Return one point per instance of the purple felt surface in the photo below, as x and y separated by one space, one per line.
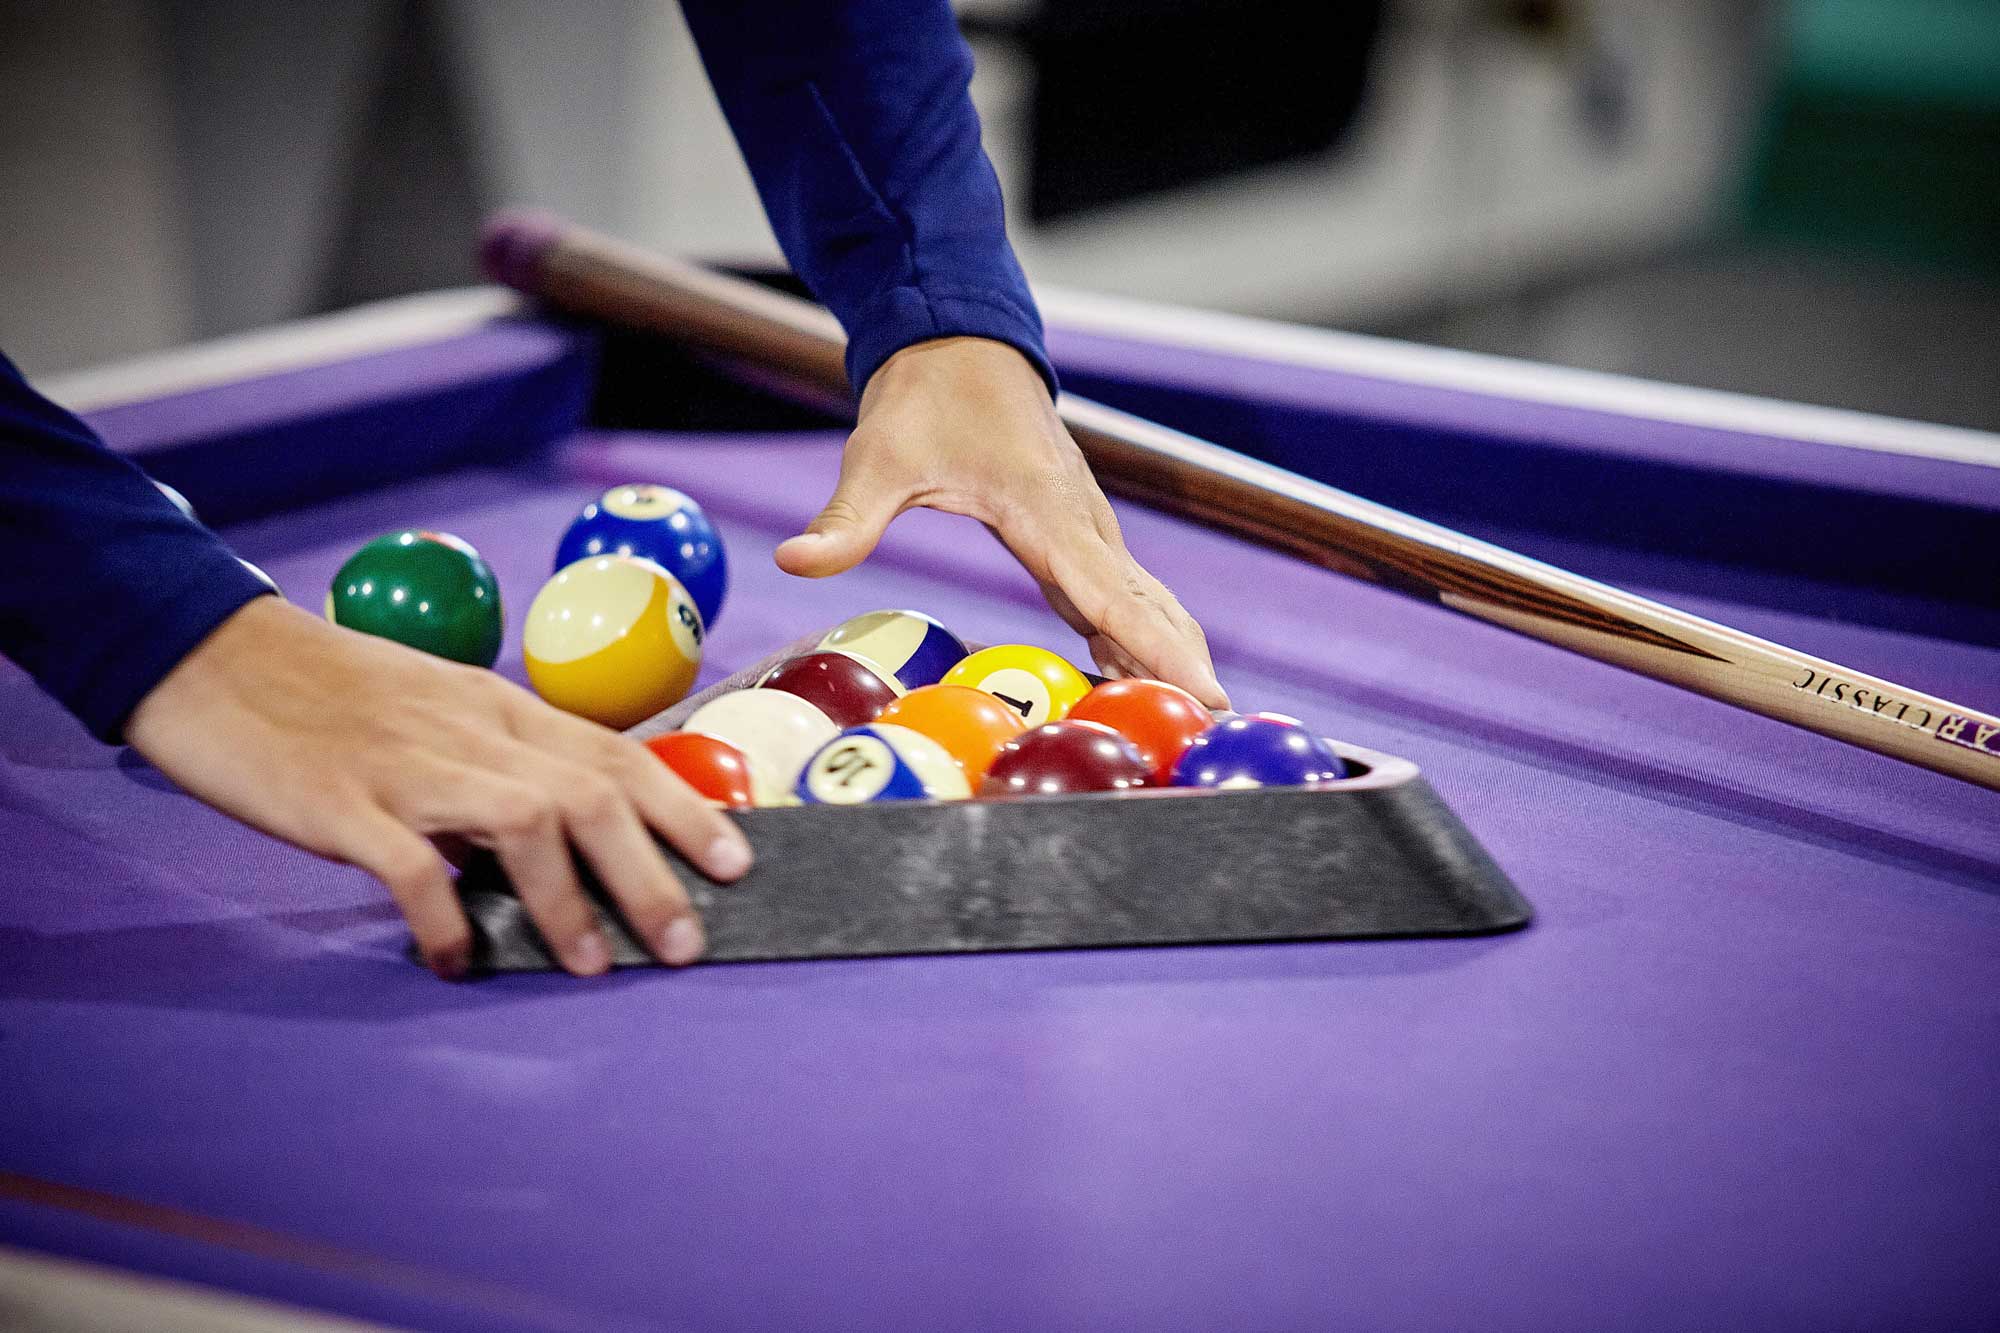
506 347
1742 1072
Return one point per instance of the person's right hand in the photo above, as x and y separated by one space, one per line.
371 753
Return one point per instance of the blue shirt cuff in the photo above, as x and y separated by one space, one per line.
905 315
209 589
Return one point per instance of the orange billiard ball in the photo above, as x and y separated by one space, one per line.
970 724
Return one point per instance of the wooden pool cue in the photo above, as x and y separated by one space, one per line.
797 347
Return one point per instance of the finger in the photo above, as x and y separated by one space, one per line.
603 824
1113 662
420 881
851 524
1112 596
703 834
523 825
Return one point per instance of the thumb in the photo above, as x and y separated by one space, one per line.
844 532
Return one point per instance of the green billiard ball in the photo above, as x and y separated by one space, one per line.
429 590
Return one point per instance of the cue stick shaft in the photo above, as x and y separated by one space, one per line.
797 347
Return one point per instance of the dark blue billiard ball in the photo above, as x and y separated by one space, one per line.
656 523
912 647
1257 752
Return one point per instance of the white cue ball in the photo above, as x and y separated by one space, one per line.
776 731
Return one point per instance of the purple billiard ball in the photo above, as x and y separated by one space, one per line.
1257 752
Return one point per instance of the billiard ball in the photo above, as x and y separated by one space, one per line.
429 590
659 524
1162 720
1059 758
909 645
178 500
881 762
1038 685
846 688
971 724
1257 752
777 732
714 768
614 639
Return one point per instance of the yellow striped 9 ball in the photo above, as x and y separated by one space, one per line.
614 639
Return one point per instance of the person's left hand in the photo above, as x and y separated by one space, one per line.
965 425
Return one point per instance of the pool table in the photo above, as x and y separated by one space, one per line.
1742 1071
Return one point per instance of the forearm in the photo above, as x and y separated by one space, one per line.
858 126
104 585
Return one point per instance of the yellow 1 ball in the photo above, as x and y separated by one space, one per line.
614 639
1034 682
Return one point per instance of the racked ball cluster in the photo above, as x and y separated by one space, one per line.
890 706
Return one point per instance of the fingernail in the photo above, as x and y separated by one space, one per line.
727 858
589 954
682 941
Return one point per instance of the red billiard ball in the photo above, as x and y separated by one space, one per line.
1162 720
714 768
1059 758
842 686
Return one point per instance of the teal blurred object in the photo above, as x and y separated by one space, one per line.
1883 131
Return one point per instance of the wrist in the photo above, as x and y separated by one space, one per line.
205 671
957 363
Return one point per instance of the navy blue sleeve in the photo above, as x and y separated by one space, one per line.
857 123
104 585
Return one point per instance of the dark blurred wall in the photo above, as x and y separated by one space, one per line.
1791 197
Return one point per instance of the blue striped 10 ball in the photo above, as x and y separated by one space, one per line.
881 762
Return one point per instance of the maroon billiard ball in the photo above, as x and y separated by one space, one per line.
843 687
1060 758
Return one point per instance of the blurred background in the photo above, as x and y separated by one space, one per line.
1798 198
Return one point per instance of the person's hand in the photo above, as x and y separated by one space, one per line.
965 425
371 753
